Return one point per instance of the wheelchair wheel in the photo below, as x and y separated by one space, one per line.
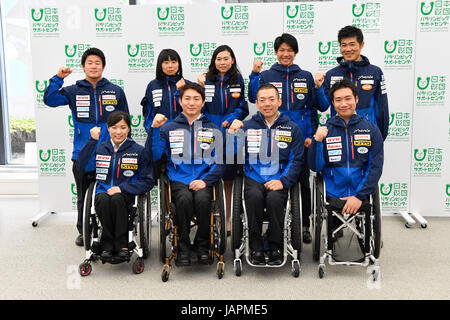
375 241
88 217
317 215
144 212
163 211
236 213
296 219
219 219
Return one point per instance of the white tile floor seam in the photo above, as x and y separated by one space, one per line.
42 263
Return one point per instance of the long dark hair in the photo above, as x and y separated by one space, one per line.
212 70
165 55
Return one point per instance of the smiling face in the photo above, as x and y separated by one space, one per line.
345 103
285 55
268 102
170 67
351 48
93 68
223 62
119 132
192 103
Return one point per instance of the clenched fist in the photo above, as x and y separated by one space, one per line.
63 72
159 120
95 133
318 79
321 133
257 66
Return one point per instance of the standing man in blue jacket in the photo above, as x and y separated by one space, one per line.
273 161
368 78
193 146
348 150
91 101
298 102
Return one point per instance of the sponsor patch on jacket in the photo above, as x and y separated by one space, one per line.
109 102
205 146
283 133
332 146
83 114
282 145
205 133
110 108
300 96
235 94
109 97
335 152
176 145
82 109
82 97
334 159
253 150
277 84
366 143
176 151
254 131
253 138
253 143
100 176
366 87
129 160
300 85
337 78
101 164
176 139
362 150
126 166
301 90
176 133
128 173
101 170
362 136
236 89
334 139
367 82
283 138
205 139
83 103
103 158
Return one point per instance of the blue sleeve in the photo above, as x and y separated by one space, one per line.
148 108
323 101
123 103
375 167
54 96
292 171
316 161
241 110
85 154
156 144
253 86
381 103
144 182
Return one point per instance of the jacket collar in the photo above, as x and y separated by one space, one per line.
280 68
260 119
353 64
84 83
339 122
181 118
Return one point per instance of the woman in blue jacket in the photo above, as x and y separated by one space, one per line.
224 103
161 95
122 172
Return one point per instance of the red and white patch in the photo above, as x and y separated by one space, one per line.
103 158
333 139
334 146
129 160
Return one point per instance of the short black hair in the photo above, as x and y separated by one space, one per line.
193 86
267 86
344 83
93 52
116 117
350 32
165 55
287 38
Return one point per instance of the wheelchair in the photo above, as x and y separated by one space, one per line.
355 242
292 230
139 233
168 244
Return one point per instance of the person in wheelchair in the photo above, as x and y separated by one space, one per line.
273 161
348 151
122 172
189 142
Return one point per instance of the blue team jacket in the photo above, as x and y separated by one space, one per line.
90 108
128 168
161 97
350 157
192 151
296 87
225 101
274 153
369 79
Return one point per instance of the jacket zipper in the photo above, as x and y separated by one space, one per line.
113 168
287 88
95 106
348 158
170 101
221 95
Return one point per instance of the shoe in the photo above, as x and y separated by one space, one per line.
203 255
79 240
184 257
106 255
307 237
275 257
122 254
258 258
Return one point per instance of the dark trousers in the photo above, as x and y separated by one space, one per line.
82 182
305 190
190 203
113 213
257 197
